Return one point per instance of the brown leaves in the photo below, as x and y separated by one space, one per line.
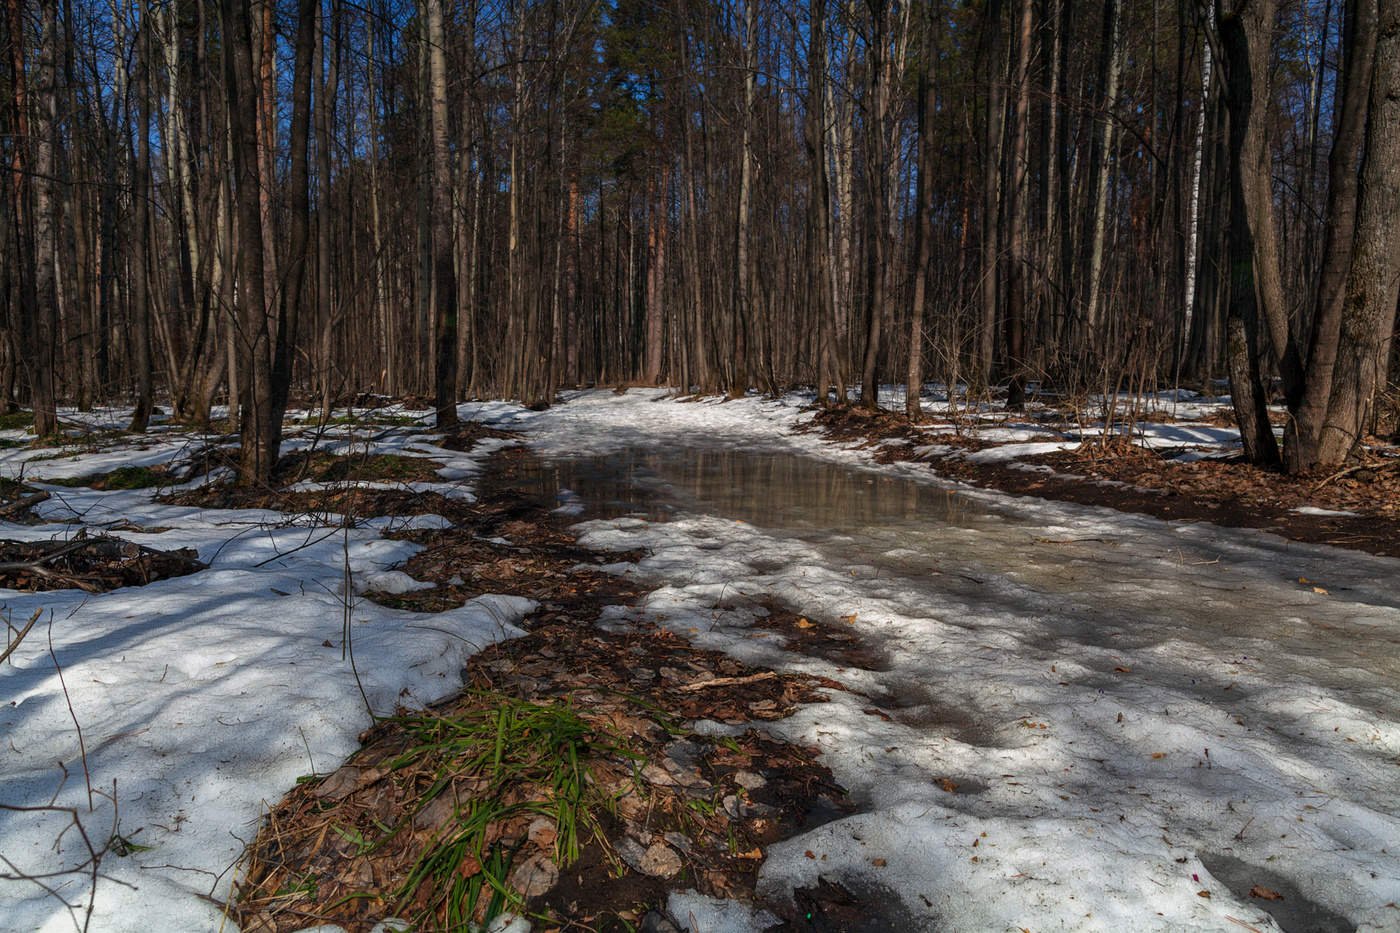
1265 894
93 564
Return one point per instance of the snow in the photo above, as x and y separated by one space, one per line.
697 913
201 699
1093 717
1007 452
1120 701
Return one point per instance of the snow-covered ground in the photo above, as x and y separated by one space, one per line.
1085 720
201 699
1144 721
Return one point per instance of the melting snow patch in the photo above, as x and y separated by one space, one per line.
697 913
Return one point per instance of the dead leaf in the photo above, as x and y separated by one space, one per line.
1156 755
660 861
878 862
1203 893
535 876
1264 893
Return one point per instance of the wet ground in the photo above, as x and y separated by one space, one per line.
1250 627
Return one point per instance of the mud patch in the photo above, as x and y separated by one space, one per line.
823 640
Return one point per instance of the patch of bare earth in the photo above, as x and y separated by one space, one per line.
565 782
1223 492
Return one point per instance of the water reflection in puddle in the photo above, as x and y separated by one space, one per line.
767 489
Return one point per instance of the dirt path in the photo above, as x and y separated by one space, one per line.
432 823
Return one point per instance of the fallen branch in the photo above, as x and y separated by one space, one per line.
729 681
22 503
1356 468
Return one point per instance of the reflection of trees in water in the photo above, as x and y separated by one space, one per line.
762 488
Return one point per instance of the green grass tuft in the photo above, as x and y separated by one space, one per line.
503 745
17 421
128 477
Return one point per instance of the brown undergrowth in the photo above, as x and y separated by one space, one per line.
93 564
564 783
1129 477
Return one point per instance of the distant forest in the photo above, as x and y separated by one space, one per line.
255 201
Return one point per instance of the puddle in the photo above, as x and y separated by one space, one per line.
761 488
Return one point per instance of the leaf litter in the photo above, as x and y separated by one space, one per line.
564 784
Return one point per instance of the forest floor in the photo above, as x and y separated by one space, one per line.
1185 468
645 663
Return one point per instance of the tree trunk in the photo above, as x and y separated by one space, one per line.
45 317
1101 159
1308 414
141 199
1373 284
1016 210
923 222
256 455
444 273
1246 34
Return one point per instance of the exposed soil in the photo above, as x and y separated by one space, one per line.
321 467
666 809
1223 492
470 433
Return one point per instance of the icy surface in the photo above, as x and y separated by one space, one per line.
201 699
1090 713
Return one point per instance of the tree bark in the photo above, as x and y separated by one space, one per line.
1016 210
1308 412
1373 284
1246 32
444 273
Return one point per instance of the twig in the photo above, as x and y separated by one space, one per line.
728 681
1355 468
20 637
82 745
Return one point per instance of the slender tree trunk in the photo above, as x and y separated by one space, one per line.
1102 159
256 456
1016 211
744 298
923 222
993 136
141 199
1194 222
44 334
444 273
1245 34
294 287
